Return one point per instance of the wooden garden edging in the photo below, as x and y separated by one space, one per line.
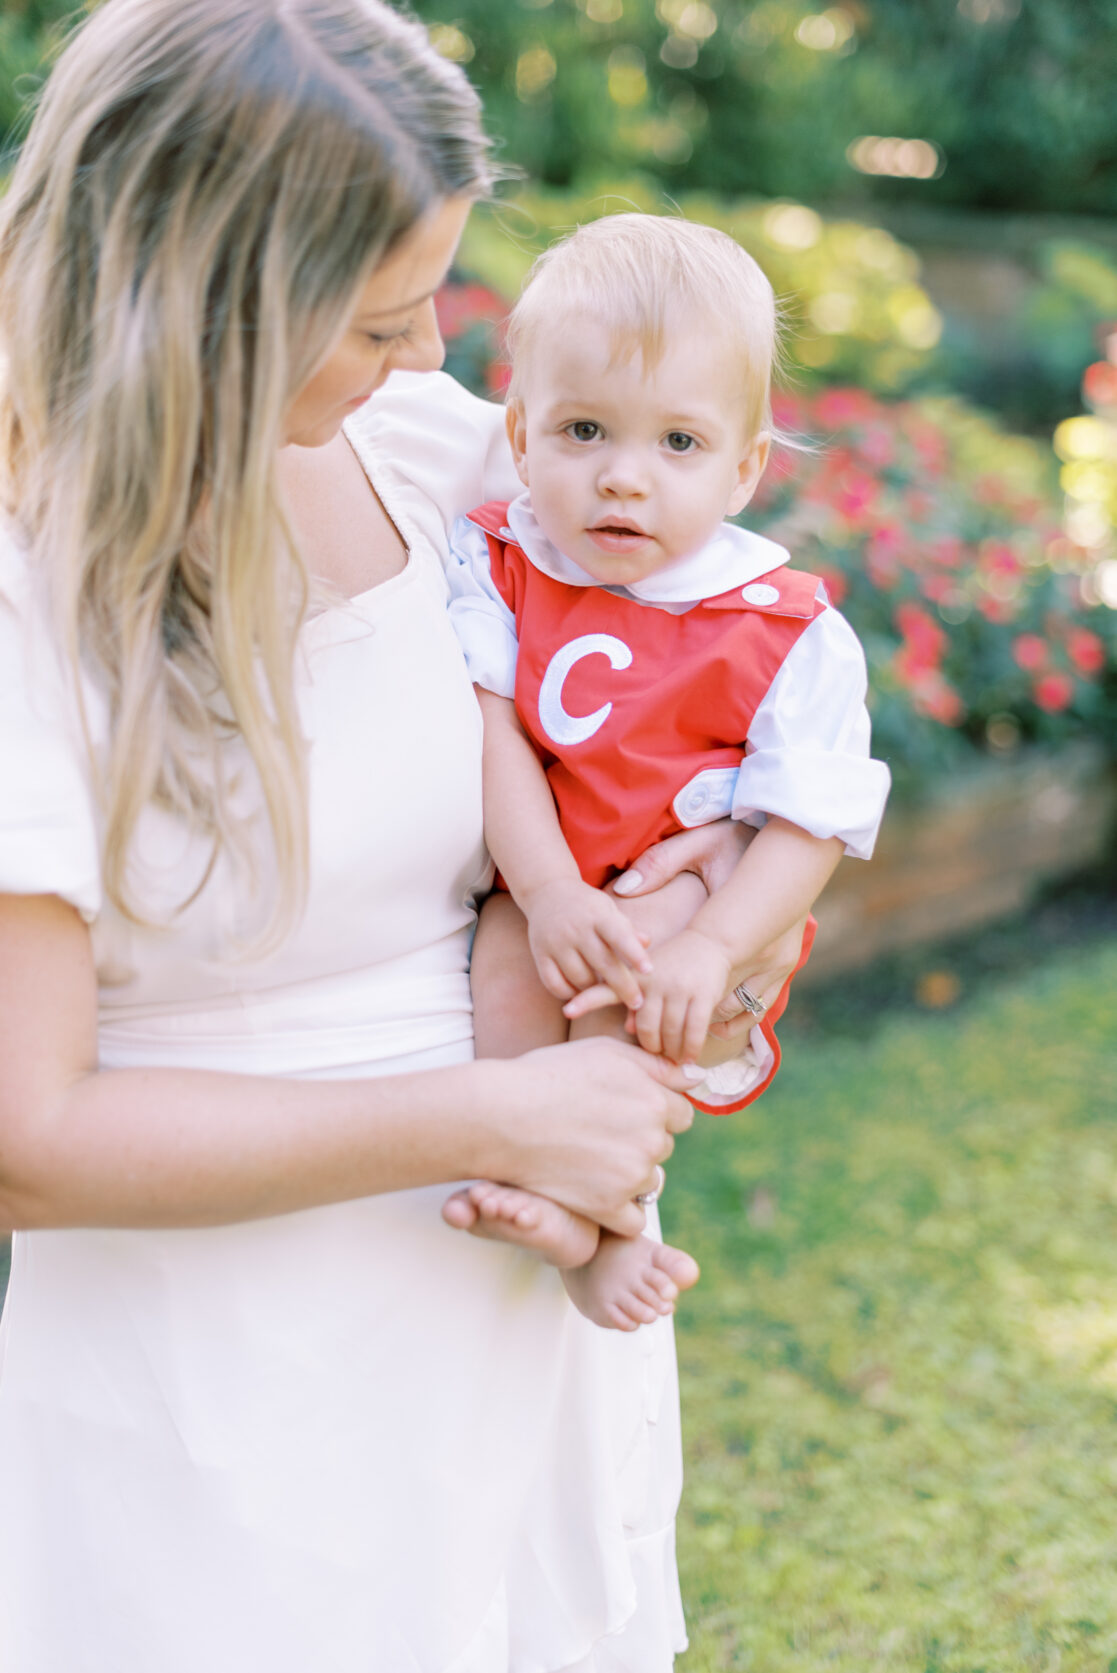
974 851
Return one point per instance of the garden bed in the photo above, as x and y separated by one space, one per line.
974 849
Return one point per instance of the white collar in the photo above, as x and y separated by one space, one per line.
733 558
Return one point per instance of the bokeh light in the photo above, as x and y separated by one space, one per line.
903 159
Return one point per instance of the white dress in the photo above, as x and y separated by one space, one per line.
347 1440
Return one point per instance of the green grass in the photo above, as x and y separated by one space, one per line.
900 1368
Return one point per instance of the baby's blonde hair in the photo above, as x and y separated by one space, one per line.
638 275
202 196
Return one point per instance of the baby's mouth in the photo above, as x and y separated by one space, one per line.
616 535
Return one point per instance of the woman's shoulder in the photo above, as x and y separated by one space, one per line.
48 828
431 432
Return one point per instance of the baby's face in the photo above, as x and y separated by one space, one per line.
632 470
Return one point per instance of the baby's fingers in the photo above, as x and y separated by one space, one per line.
695 1030
597 998
673 1026
623 941
617 976
553 979
647 1021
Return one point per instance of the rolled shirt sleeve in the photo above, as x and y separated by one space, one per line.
485 626
807 757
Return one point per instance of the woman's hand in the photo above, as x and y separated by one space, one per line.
585 1124
711 852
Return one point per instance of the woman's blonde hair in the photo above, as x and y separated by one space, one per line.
637 275
203 193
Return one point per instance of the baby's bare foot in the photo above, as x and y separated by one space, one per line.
630 1281
513 1216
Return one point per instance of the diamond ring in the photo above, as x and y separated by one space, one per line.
749 1002
644 1198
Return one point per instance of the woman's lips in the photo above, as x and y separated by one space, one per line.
615 537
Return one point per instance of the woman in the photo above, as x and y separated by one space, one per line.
259 1407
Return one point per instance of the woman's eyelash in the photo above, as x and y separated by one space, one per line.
403 336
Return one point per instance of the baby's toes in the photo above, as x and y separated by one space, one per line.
658 1292
679 1268
620 1318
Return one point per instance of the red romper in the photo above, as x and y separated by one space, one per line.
627 705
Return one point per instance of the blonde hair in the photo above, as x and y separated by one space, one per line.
637 275
203 193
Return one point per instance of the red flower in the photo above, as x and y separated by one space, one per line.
938 588
1099 384
877 446
460 306
1053 692
924 639
1030 652
998 558
835 408
855 494
884 555
994 609
1085 650
936 697
498 375
947 550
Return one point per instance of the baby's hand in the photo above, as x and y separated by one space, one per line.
579 937
688 978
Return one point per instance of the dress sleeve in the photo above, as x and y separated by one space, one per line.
808 746
485 626
48 833
447 443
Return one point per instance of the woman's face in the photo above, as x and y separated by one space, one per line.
393 326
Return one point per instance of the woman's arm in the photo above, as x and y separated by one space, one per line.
584 1124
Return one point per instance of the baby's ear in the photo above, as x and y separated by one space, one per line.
516 426
749 472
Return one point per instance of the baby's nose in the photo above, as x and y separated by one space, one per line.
622 474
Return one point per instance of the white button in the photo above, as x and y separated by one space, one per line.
759 592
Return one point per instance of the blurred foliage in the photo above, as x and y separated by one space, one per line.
30 33
900 1366
1027 362
768 96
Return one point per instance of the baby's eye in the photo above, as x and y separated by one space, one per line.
679 442
584 429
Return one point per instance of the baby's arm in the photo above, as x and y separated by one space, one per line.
578 934
772 887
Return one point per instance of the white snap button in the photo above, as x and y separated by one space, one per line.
759 592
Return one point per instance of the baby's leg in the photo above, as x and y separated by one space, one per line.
631 1281
512 1010
514 1013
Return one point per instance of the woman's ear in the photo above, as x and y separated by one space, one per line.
516 426
749 472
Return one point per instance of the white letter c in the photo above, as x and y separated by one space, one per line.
565 728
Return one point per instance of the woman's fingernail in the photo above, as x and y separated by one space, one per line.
627 883
693 1071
